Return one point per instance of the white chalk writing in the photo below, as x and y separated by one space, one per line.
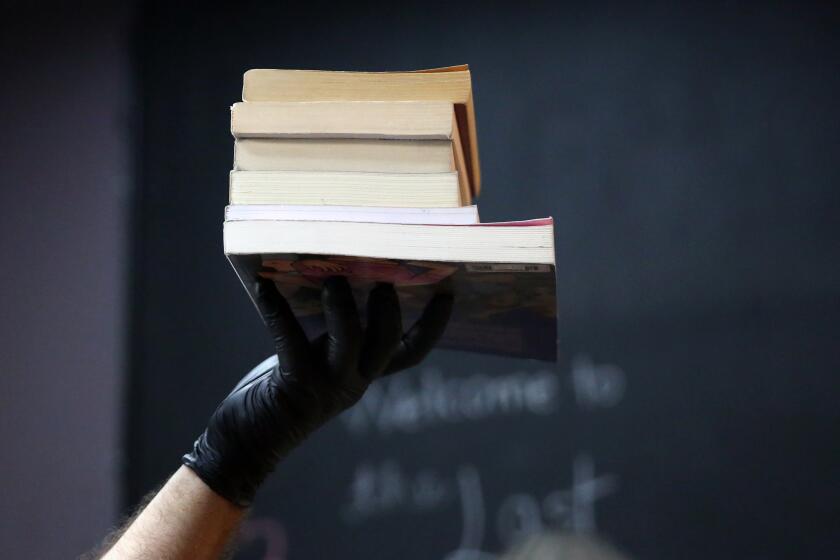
411 403
379 490
597 385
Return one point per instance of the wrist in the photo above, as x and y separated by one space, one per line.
223 475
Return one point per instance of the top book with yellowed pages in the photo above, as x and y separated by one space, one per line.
451 84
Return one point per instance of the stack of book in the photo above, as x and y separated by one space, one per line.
372 176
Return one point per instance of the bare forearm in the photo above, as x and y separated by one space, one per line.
272 410
185 520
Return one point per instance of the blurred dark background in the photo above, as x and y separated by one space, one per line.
689 156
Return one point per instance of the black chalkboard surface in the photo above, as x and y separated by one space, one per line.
689 160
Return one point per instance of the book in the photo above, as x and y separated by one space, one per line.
451 84
332 154
345 188
501 275
463 215
367 155
370 176
529 241
396 120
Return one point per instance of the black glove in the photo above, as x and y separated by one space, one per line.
284 399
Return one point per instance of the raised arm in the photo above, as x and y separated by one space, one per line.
272 410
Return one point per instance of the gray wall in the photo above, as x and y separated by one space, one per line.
64 180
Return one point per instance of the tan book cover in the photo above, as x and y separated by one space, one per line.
451 84
400 120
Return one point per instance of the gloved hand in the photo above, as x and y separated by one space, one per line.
287 397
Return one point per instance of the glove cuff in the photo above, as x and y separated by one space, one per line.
222 478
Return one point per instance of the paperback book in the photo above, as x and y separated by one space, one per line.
501 275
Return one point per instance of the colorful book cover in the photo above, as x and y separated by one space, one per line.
499 308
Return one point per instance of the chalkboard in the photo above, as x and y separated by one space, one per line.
689 160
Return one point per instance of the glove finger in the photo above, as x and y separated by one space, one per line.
290 341
423 336
344 332
383 332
